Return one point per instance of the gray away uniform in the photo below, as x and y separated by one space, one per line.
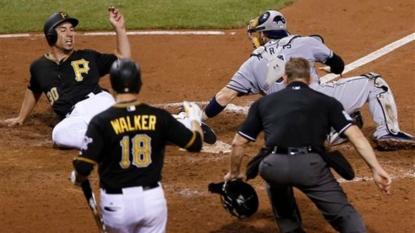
353 92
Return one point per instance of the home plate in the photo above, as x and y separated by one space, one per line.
218 148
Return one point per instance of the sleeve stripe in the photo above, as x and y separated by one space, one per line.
247 136
86 160
192 140
344 128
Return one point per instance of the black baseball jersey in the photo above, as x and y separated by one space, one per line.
70 80
296 116
128 142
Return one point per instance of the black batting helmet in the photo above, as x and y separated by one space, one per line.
237 197
125 76
54 20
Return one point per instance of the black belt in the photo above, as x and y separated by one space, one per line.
119 190
92 93
293 150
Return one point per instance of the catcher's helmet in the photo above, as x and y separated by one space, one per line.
125 76
54 20
272 24
237 197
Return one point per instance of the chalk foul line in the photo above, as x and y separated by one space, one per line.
131 33
372 56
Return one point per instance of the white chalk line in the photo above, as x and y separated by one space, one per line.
229 108
130 33
372 56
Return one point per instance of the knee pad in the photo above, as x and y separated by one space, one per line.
386 101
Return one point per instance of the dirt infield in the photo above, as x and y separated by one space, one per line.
37 196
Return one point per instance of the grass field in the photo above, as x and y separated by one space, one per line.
29 15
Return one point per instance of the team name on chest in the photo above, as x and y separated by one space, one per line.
134 123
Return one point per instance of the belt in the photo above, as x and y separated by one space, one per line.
119 190
292 150
92 93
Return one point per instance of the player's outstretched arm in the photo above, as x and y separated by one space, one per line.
117 21
28 104
363 147
335 63
218 103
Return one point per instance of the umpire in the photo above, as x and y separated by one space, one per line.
295 122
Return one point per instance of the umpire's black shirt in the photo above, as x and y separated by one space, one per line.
296 116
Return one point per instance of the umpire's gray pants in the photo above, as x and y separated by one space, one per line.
310 174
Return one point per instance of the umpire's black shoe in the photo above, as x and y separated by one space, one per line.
209 136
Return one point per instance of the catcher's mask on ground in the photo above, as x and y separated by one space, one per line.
53 21
271 23
237 197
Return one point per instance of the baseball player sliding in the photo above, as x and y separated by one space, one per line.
70 80
262 74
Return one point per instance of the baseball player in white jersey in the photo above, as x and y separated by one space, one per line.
262 74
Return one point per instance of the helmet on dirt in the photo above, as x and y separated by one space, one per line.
125 76
54 20
272 23
237 197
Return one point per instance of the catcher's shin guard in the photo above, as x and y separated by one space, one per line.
386 102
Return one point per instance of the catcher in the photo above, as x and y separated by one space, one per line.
262 74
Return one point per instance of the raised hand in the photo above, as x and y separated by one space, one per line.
116 18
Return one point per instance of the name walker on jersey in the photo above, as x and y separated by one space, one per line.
134 123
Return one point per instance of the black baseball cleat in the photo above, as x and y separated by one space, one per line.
209 136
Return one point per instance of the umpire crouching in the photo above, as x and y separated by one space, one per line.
295 122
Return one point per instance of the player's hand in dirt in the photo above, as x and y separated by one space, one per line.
11 122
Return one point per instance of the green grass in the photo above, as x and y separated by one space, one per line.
29 15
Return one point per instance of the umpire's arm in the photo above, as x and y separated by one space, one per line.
365 150
237 153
